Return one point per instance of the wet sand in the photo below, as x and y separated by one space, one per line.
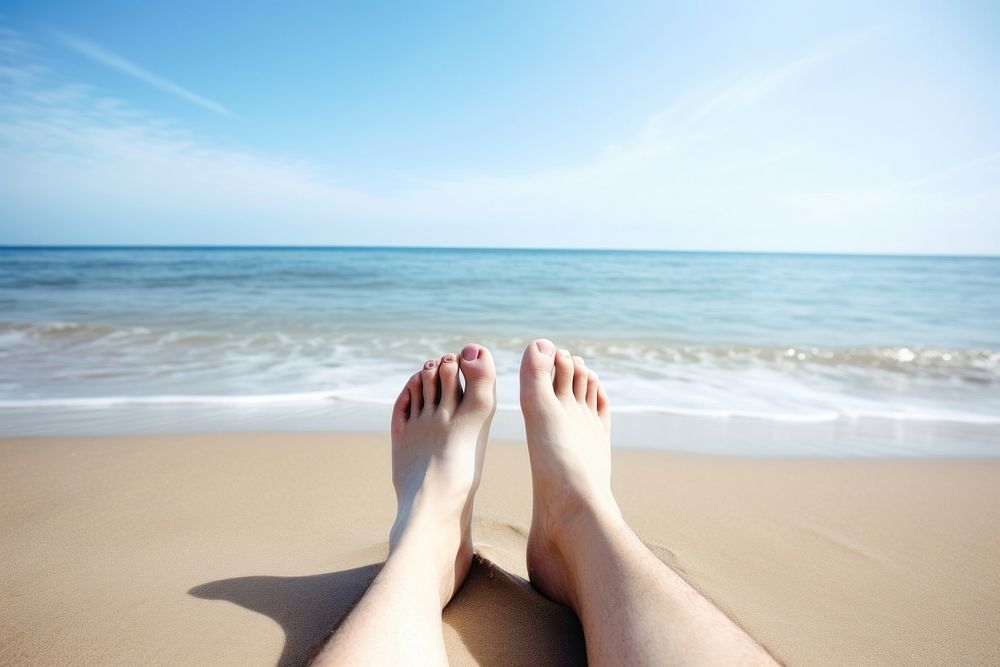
246 548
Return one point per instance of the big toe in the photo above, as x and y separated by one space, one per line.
537 364
479 372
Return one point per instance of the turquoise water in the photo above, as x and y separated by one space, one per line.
783 338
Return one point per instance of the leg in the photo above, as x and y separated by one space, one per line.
634 609
439 437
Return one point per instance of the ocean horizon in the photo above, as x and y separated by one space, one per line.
91 333
473 248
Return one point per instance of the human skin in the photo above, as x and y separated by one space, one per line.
634 609
439 432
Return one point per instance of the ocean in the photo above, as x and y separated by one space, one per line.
102 340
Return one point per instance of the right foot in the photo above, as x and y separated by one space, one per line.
568 426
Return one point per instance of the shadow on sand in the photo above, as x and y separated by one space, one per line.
498 616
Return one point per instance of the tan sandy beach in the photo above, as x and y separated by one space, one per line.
245 548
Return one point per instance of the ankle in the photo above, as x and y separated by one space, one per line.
442 549
575 526
567 511
426 524
594 519
567 543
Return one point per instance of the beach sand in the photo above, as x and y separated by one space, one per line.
246 548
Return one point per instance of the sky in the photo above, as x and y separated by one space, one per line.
764 126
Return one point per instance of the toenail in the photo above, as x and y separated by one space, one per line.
429 364
579 360
564 354
448 358
544 346
470 353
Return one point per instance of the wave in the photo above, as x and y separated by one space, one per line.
820 416
815 416
973 364
79 365
170 399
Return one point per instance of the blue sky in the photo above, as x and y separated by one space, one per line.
719 126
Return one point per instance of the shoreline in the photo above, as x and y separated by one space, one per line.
236 548
863 437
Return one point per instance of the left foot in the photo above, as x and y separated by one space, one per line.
439 434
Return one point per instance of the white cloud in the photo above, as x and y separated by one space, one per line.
104 56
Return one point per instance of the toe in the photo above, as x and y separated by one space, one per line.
603 407
593 385
401 411
476 364
415 389
536 369
429 380
563 382
451 390
580 377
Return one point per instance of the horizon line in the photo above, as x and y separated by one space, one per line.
226 246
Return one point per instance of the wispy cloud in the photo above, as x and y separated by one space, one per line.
102 55
752 89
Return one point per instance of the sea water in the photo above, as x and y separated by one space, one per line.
160 338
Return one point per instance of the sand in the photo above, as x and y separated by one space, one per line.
245 548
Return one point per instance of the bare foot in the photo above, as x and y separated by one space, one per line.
439 434
568 425
633 608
